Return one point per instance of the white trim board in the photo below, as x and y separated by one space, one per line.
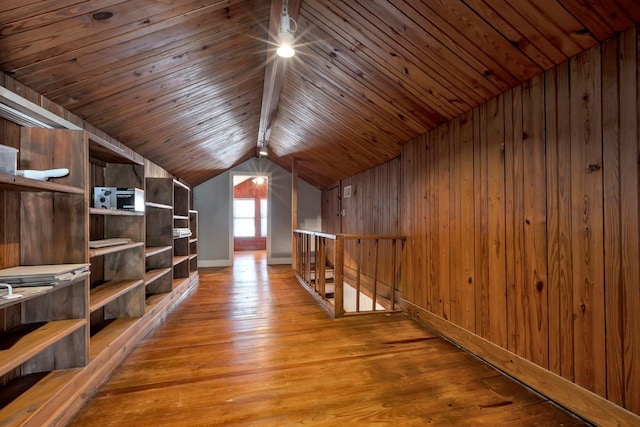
214 263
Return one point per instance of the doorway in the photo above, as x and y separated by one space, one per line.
250 209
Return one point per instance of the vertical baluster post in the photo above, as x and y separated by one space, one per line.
339 276
375 275
394 274
358 264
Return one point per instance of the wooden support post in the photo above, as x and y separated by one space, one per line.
307 259
375 277
339 277
358 268
315 265
394 273
294 239
294 210
321 256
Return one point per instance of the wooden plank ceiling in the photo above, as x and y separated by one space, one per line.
182 81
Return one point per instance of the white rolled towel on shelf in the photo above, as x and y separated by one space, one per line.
43 175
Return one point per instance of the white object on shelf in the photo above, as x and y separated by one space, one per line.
10 294
43 175
52 273
181 232
8 159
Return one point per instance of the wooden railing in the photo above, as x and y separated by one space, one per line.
349 273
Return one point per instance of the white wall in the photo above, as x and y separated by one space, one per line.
212 199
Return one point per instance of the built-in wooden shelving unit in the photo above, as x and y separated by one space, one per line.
59 342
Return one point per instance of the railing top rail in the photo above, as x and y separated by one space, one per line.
316 233
373 236
351 236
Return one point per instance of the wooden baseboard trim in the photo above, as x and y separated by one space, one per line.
576 399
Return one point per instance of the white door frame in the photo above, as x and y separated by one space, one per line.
266 175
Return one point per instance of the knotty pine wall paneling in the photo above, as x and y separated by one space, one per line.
461 224
559 265
523 226
620 85
526 222
587 234
491 299
373 208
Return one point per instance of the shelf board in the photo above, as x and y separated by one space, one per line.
107 292
31 292
101 149
112 249
35 341
158 206
191 211
193 240
115 212
45 390
177 183
20 183
117 329
182 217
179 259
153 275
193 256
155 250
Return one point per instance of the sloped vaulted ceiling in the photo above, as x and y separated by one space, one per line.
182 81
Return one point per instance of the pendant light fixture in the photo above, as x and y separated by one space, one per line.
285 35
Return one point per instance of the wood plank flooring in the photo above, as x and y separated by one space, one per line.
250 347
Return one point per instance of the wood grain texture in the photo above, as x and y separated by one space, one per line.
554 225
612 208
561 356
593 407
462 214
358 370
587 221
187 84
620 154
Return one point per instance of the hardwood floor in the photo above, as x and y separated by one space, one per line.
251 348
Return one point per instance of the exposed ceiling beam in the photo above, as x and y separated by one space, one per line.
274 70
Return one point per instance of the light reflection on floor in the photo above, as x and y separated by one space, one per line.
251 297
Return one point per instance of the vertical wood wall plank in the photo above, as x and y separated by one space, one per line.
515 221
496 220
535 223
443 298
611 176
587 222
408 222
631 209
431 218
630 212
461 223
424 229
467 214
483 308
559 210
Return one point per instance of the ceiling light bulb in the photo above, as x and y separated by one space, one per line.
285 38
285 51
263 151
